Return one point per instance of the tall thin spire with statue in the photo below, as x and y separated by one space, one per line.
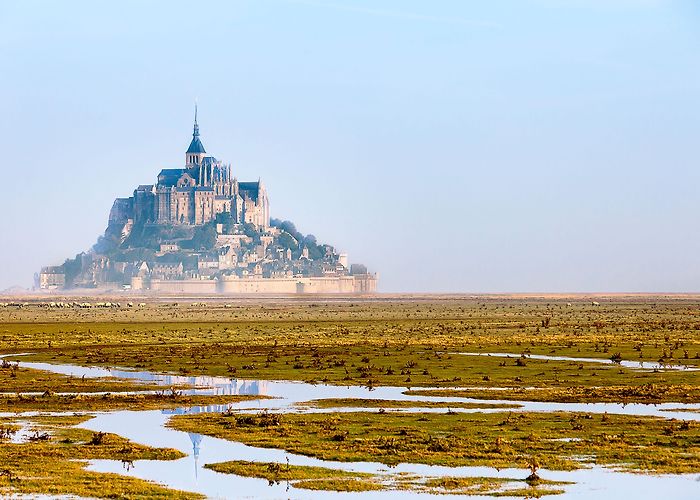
195 153
196 126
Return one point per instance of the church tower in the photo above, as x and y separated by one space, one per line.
195 153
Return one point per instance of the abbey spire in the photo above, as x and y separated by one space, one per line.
195 153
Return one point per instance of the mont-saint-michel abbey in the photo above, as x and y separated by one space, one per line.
195 194
199 229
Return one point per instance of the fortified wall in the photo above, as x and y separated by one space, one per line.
228 285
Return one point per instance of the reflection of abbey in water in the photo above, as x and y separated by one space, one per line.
214 386
201 384
219 386
196 446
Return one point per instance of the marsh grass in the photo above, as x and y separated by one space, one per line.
18 379
393 342
54 464
495 487
112 402
558 440
304 477
410 342
321 478
386 403
649 393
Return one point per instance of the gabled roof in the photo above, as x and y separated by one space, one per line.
250 189
169 176
171 171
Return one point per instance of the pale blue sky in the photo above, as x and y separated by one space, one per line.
452 146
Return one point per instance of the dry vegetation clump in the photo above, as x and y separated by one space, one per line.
486 486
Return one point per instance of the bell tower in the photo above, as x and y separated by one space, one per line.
195 153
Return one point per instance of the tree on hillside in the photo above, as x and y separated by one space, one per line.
72 268
252 232
287 241
226 220
289 227
204 237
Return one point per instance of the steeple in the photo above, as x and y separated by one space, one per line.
195 153
196 126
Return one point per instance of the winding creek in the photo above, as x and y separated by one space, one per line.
148 428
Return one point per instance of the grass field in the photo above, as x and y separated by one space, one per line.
406 342
402 343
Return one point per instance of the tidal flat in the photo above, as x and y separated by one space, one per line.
319 478
402 343
50 460
559 441
463 373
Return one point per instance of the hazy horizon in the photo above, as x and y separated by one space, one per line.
506 146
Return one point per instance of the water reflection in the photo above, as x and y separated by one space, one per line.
150 428
196 446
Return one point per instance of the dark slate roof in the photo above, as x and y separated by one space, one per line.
250 189
170 176
208 257
196 146
166 265
52 270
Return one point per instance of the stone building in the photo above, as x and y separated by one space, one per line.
195 194
52 277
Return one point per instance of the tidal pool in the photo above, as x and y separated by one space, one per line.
148 428
637 365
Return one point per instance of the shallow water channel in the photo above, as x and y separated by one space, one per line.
148 428
635 365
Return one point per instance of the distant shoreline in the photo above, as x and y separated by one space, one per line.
68 295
